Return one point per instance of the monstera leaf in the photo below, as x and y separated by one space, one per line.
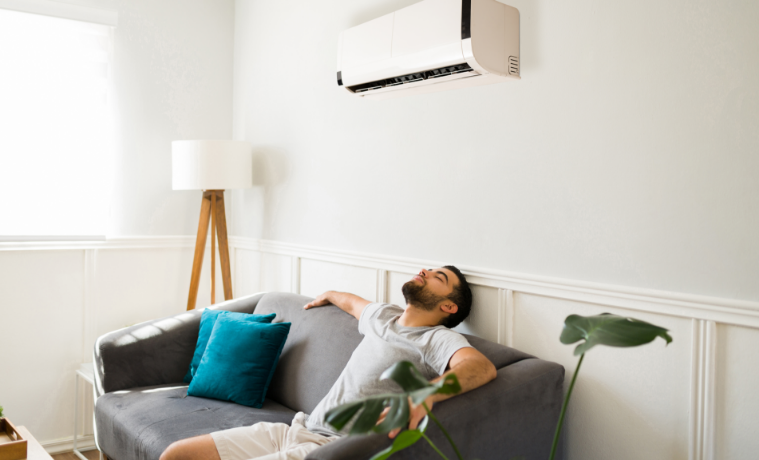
415 387
406 439
603 329
610 330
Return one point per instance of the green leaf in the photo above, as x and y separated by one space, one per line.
339 416
405 439
367 420
406 375
610 330
396 417
447 386
365 412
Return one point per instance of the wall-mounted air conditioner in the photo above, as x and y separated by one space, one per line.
430 46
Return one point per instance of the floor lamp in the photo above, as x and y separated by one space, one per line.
211 166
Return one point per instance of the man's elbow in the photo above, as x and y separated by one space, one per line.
492 372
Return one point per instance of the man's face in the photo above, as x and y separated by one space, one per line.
429 288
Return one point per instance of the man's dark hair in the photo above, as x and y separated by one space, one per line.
461 296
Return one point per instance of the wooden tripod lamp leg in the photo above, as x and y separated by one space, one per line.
221 224
213 249
200 246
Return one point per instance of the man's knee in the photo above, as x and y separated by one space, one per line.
172 452
199 447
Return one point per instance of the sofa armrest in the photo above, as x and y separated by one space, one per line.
154 352
514 415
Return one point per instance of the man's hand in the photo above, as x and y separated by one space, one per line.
349 303
320 301
417 413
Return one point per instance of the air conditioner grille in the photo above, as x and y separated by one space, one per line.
513 65
411 78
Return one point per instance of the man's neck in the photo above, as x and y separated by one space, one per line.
416 317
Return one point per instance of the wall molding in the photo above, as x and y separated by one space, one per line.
506 317
294 275
727 311
701 420
85 442
89 312
382 285
721 310
64 10
130 242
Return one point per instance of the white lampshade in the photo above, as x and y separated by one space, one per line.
211 165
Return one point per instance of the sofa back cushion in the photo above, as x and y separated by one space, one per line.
320 343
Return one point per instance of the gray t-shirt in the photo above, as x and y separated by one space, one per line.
385 343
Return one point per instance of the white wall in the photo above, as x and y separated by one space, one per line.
172 80
625 155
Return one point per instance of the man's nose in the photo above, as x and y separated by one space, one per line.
424 273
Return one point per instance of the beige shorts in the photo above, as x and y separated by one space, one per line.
269 441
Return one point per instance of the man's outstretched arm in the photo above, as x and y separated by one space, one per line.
349 303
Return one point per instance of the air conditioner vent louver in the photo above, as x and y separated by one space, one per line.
513 65
411 78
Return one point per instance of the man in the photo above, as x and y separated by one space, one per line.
437 300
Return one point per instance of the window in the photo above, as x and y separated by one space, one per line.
55 131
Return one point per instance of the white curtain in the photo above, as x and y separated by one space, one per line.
55 130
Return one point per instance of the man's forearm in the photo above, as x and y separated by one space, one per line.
471 373
347 302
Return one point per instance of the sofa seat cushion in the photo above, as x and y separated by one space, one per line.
140 423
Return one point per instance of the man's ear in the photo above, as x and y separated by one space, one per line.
449 307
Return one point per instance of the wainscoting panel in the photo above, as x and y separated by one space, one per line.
276 273
395 282
628 403
135 285
41 331
317 277
483 318
247 272
737 385
261 272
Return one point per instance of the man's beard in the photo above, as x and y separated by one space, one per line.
418 296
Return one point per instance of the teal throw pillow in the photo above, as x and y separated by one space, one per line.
239 361
207 321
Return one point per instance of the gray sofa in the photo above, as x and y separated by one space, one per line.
142 405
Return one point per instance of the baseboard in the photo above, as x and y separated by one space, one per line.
67 444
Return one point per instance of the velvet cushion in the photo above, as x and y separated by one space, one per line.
207 321
239 361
